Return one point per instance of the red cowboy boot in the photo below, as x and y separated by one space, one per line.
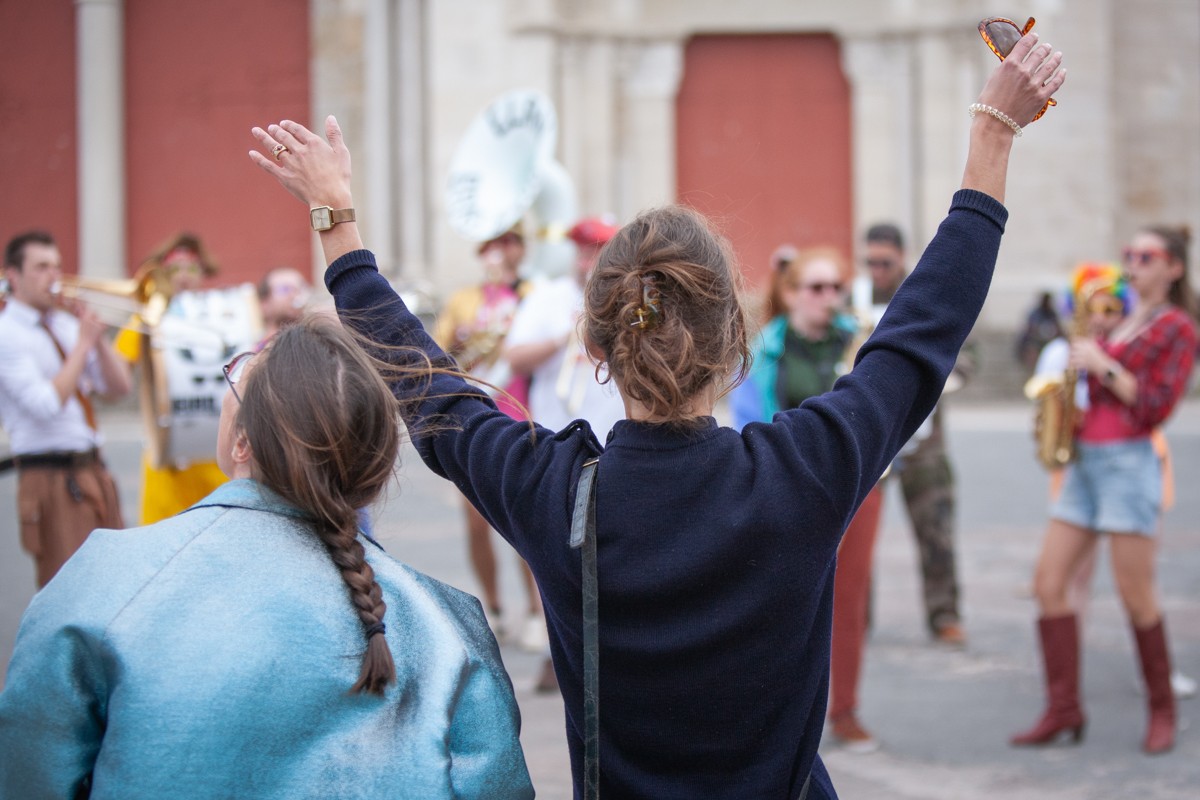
1156 669
1060 654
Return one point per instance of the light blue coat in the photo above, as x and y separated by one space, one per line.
211 655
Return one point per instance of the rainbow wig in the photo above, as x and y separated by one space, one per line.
1091 277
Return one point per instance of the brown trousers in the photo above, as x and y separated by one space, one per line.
851 593
59 507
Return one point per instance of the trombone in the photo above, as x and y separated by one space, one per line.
141 300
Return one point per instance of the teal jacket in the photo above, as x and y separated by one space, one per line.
210 655
756 399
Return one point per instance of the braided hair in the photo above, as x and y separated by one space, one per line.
323 428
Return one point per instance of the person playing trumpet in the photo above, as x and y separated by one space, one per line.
51 363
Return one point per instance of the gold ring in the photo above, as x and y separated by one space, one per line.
279 150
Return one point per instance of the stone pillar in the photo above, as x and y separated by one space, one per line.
100 103
338 30
883 95
410 137
587 120
379 136
650 72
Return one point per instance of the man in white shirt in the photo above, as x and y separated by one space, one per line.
544 343
50 362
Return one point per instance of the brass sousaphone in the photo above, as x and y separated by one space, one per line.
503 171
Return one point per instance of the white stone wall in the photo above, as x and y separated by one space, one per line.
1121 149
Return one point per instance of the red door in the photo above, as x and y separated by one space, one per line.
197 77
763 142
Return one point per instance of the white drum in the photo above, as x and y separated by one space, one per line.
182 385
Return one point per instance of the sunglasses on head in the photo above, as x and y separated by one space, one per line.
1001 36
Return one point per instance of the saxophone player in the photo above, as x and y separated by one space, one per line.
1136 376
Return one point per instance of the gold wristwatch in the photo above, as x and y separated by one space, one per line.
323 217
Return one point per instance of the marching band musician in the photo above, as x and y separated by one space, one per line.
544 343
472 327
1113 486
50 363
184 263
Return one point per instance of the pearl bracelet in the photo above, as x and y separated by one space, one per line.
997 113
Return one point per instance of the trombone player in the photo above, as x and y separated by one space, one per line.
51 362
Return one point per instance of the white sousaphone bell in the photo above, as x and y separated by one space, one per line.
504 167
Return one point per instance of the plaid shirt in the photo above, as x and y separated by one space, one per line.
1160 357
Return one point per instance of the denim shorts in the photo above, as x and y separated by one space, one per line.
1115 487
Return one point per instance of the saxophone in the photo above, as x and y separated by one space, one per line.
1057 412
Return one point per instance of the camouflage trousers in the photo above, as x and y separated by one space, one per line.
927 483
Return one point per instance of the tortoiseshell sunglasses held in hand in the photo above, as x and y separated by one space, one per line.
1001 36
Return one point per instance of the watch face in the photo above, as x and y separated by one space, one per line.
321 220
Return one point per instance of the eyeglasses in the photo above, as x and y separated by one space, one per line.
233 371
1143 257
1001 36
822 287
879 263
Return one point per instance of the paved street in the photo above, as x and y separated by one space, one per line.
943 716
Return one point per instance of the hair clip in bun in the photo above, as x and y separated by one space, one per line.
649 313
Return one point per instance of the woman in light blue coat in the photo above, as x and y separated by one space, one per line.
256 645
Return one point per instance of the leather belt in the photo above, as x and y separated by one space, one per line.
53 460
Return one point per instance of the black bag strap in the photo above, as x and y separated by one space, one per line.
583 537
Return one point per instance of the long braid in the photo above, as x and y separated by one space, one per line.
328 445
378 668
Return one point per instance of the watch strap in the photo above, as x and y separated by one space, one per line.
341 215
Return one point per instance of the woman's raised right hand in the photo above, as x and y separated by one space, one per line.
1025 80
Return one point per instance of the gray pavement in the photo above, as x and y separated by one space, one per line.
942 716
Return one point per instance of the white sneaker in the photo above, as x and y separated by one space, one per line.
495 621
534 638
1182 686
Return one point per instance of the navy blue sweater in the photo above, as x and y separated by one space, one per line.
716 548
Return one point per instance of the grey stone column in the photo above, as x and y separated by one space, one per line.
651 72
885 155
100 137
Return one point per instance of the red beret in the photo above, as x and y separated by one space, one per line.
592 230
